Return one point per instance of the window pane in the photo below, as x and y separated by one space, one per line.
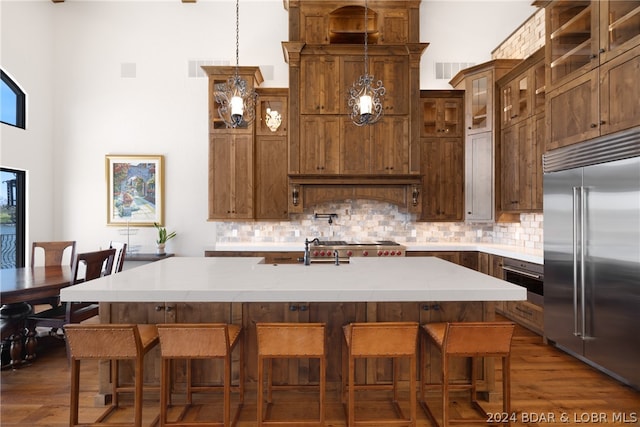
9 101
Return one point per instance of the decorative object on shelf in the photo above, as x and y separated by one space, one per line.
163 236
135 190
295 194
273 119
237 101
415 193
365 103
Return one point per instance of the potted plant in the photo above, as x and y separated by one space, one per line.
163 236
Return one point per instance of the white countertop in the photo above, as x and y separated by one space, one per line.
516 252
231 279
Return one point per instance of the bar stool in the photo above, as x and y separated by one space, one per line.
379 340
188 341
466 339
112 342
289 341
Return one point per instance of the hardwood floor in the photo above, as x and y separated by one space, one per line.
547 385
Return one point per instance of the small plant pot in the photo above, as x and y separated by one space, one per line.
160 249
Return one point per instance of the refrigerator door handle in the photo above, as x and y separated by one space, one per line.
583 294
576 230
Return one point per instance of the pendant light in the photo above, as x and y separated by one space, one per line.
365 103
236 102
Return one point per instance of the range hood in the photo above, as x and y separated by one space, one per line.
404 191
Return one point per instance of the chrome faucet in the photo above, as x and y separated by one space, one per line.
307 252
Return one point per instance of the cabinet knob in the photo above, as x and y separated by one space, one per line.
169 308
602 122
159 307
593 125
293 308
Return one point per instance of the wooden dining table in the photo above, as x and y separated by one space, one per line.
20 288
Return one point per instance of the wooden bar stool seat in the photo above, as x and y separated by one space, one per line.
470 340
394 340
289 341
205 341
112 342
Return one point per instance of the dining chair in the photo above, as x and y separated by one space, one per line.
51 254
96 264
121 251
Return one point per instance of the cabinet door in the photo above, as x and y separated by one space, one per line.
619 28
315 27
516 100
394 73
517 167
572 46
441 117
572 112
231 176
355 151
271 178
620 91
320 85
479 103
478 181
272 103
393 26
320 144
442 166
390 146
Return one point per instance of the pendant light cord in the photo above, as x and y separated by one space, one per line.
366 41
237 38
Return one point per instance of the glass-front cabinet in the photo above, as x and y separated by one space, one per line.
571 41
583 34
442 116
619 27
478 103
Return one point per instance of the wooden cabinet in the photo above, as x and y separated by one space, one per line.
381 149
231 175
271 165
248 165
442 184
599 102
442 113
479 84
271 181
593 50
479 188
320 87
319 144
442 155
331 22
521 143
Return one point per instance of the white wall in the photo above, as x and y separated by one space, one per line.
68 57
26 54
465 31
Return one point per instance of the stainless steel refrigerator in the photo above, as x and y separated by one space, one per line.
592 253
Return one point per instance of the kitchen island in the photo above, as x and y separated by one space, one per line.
246 290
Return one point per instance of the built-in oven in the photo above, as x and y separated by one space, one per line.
528 275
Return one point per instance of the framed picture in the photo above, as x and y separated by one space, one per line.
135 190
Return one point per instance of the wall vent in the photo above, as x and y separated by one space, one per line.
194 66
446 70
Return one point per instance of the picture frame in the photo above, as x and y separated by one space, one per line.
135 190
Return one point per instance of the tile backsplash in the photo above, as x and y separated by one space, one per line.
366 220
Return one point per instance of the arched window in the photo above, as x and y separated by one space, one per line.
12 99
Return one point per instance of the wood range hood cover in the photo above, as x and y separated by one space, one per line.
310 190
